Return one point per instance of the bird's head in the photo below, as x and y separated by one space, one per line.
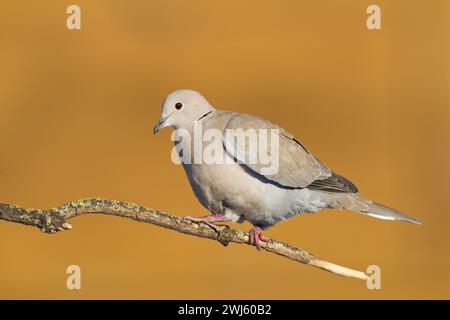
181 108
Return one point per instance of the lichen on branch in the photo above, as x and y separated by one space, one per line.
56 219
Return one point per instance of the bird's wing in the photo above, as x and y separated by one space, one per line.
297 167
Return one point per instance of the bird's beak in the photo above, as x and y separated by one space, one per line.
161 124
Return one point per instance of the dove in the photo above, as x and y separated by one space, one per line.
237 189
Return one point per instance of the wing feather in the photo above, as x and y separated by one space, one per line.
297 167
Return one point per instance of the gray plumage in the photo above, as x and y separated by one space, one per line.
241 191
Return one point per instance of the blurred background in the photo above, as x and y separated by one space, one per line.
77 110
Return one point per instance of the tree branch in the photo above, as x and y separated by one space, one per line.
55 219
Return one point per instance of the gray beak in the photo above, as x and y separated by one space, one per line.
159 125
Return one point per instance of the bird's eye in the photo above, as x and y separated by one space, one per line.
178 105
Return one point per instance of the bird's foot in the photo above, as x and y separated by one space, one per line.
256 236
209 220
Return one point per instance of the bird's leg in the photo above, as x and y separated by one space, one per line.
209 219
255 236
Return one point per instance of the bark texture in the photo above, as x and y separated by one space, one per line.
56 219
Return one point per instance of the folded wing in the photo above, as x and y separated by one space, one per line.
297 167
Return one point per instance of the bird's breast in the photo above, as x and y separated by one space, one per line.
227 188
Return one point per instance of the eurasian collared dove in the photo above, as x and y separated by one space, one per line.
238 189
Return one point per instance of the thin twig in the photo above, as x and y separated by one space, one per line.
55 219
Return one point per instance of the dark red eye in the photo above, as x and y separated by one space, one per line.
178 105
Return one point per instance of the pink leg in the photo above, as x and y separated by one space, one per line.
255 236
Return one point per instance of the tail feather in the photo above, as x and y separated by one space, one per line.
357 202
380 211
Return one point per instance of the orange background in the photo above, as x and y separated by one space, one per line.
77 110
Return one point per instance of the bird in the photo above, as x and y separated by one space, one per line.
237 189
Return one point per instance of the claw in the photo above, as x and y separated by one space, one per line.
255 237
